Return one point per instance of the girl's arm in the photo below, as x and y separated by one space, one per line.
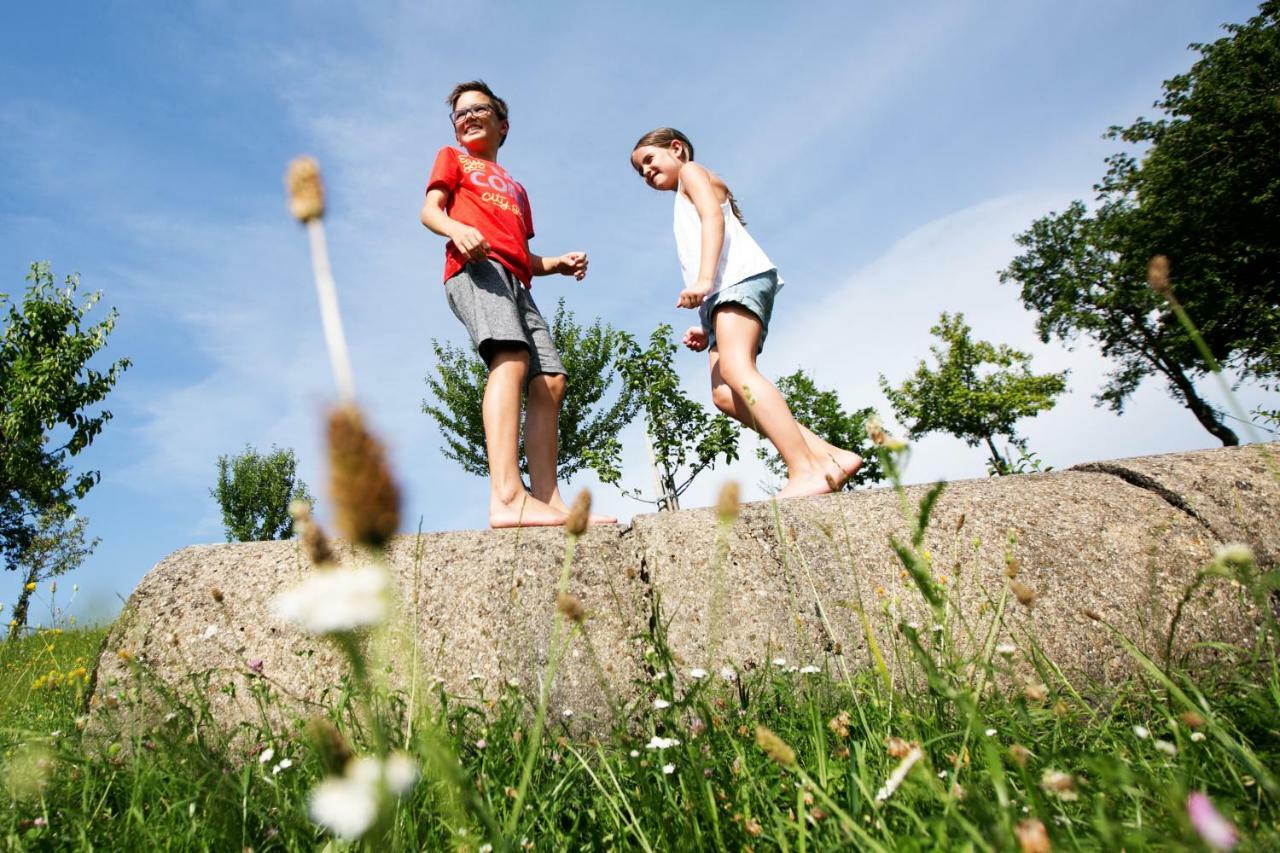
697 184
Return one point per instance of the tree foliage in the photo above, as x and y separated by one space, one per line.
684 438
57 546
588 427
976 392
46 386
1206 194
254 492
822 412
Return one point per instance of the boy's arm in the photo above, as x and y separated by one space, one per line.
696 181
469 240
570 263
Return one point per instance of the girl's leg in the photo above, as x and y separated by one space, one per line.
732 404
737 338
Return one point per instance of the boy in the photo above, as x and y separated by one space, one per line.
488 266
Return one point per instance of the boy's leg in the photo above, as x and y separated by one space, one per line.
541 434
509 504
732 404
737 339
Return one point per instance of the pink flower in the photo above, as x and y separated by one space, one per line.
255 666
1214 829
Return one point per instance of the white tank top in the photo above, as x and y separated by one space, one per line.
740 256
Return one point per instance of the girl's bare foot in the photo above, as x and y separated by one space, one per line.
523 510
848 462
817 482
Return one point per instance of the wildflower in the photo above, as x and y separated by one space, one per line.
1006 649
991 732
839 724
40 822
334 601
752 827
748 395
1191 719
809 670
728 674
1196 737
1166 747
1032 837
1214 829
400 773
306 190
779 661
635 753
697 673
1234 554
210 632
774 747
1025 595
256 666
570 606
899 774
329 744
125 655
31 587
1035 691
898 748
1062 785
481 743
668 769
661 703
1012 566
1141 732
266 756
567 713
1158 276
656 742
366 499
579 514
727 503
284 764
875 430
1020 754
346 805
894 443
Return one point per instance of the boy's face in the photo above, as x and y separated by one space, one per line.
659 165
478 130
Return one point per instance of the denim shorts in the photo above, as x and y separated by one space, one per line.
755 294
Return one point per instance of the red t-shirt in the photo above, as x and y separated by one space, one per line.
484 196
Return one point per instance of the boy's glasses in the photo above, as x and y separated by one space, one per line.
479 111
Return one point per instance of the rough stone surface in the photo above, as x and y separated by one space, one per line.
1122 539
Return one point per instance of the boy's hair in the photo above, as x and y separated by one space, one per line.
663 137
499 105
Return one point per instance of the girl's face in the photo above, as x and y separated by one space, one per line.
659 165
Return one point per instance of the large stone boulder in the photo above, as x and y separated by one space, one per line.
808 581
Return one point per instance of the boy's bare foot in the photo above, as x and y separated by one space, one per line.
524 510
557 504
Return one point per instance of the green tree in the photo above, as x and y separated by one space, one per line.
977 392
821 412
254 492
588 436
684 438
46 386
56 547
1206 194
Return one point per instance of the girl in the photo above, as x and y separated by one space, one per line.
732 283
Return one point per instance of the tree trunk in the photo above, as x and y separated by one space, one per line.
1204 413
1002 467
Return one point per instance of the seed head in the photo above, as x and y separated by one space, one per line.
579 514
1158 276
839 724
216 593
1035 691
1191 719
1059 783
1020 754
1234 554
365 497
898 748
875 430
570 606
727 504
960 522
774 747
306 190
329 744
1012 565
1090 613
1032 837
1025 595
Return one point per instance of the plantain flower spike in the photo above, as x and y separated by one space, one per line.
365 497
727 505
579 514
1158 276
306 190
775 747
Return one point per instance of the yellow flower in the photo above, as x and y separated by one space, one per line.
31 587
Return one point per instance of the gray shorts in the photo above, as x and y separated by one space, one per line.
755 294
497 309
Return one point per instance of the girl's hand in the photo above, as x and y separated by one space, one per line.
695 339
692 297
470 242
572 263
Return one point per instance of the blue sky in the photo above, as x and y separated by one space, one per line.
884 154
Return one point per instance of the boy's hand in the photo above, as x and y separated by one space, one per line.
470 242
572 263
695 339
692 297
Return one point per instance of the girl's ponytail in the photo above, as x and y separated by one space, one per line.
664 136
